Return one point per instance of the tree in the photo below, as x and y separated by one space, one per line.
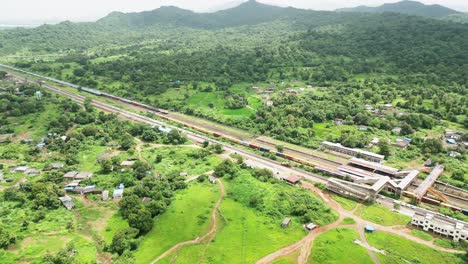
129 204
226 168
6 238
406 129
124 240
106 165
126 142
3 74
218 148
206 144
280 148
384 148
88 105
433 145
141 220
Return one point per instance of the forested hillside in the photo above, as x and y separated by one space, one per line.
206 65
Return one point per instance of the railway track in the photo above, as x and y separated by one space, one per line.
314 158
196 137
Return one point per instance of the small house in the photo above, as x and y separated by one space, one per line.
21 169
388 106
183 174
32 172
212 179
127 163
105 195
83 175
269 103
396 130
369 229
67 201
310 226
375 141
451 141
339 121
57 166
400 143
293 179
118 194
454 154
363 128
286 222
70 175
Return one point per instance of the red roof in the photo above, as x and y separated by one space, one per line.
293 179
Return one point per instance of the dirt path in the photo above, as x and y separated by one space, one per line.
208 235
304 245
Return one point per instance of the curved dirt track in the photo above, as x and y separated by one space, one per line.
305 245
211 231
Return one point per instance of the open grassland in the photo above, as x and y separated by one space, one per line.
347 204
337 246
177 159
400 250
381 215
421 234
243 236
247 231
186 218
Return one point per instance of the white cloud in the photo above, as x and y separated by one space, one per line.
40 11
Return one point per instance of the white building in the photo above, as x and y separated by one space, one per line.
441 225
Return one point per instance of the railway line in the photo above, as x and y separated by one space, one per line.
254 160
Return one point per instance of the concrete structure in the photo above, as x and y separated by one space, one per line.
441 225
57 166
118 194
374 167
292 179
286 222
105 195
353 152
212 179
428 182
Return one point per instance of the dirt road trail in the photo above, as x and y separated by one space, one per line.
208 235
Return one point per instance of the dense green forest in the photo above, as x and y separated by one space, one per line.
206 64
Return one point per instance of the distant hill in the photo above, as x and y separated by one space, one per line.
406 7
247 13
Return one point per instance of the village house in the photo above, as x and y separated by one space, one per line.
118 194
396 130
401 143
70 175
57 166
292 179
286 222
454 154
212 179
339 121
450 134
127 163
269 103
67 201
310 226
83 175
363 128
32 172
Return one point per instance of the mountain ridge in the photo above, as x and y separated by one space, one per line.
406 7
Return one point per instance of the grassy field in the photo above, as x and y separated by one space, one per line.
421 234
400 250
381 215
347 204
337 246
243 236
348 221
185 219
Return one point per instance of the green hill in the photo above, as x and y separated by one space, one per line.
406 7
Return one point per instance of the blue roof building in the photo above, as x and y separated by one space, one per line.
369 229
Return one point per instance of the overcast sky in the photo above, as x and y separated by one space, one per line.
42 11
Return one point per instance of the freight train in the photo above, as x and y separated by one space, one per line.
446 205
165 112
